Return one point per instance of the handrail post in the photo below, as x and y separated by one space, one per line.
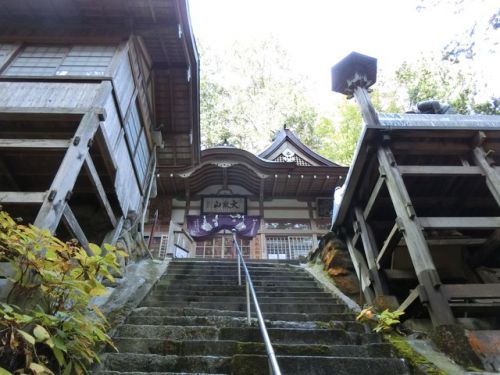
239 271
273 363
249 318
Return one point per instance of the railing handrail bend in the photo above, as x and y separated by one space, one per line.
273 363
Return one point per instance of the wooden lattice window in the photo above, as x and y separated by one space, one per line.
57 60
137 142
288 247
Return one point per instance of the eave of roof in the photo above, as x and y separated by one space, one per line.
392 123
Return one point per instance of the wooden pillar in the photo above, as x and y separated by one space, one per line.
493 183
423 264
371 253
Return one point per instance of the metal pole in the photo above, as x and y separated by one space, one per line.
249 319
239 272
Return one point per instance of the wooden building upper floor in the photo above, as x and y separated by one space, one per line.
94 96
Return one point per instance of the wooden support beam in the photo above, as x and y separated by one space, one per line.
371 253
50 144
390 244
459 291
412 297
16 197
71 223
373 197
361 269
101 193
423 264
427 170
117 231
492 176
53 206
460 222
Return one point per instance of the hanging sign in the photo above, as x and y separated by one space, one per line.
229 204
205 226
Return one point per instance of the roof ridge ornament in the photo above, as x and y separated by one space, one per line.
353 76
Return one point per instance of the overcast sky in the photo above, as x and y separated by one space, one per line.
318 33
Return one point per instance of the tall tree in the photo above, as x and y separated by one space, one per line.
250 92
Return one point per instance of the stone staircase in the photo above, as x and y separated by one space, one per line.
194 322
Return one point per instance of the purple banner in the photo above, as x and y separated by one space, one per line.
203 227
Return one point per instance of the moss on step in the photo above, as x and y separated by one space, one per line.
404 350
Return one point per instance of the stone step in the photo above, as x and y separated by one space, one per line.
213 261
239 292
267 283
237 299
306 308
230 269
149 373
234 271
245 334
179 288
190 311
298 336
231 347
234 278
320 365
230 321
251 364
152 363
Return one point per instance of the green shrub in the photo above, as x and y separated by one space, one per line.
56 330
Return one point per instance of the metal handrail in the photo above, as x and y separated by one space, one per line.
273 363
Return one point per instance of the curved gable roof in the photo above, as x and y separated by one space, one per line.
288 143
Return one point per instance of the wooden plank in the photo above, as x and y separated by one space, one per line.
101 193
456 291
371 252
460 222
456 241
373 197
72 224
418 249
390 244
50 144
361 269
41 110
427 170
16 197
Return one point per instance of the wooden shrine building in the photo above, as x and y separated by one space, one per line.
279 202
94 97
421 206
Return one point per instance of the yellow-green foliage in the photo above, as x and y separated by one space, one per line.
56 330
385 319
